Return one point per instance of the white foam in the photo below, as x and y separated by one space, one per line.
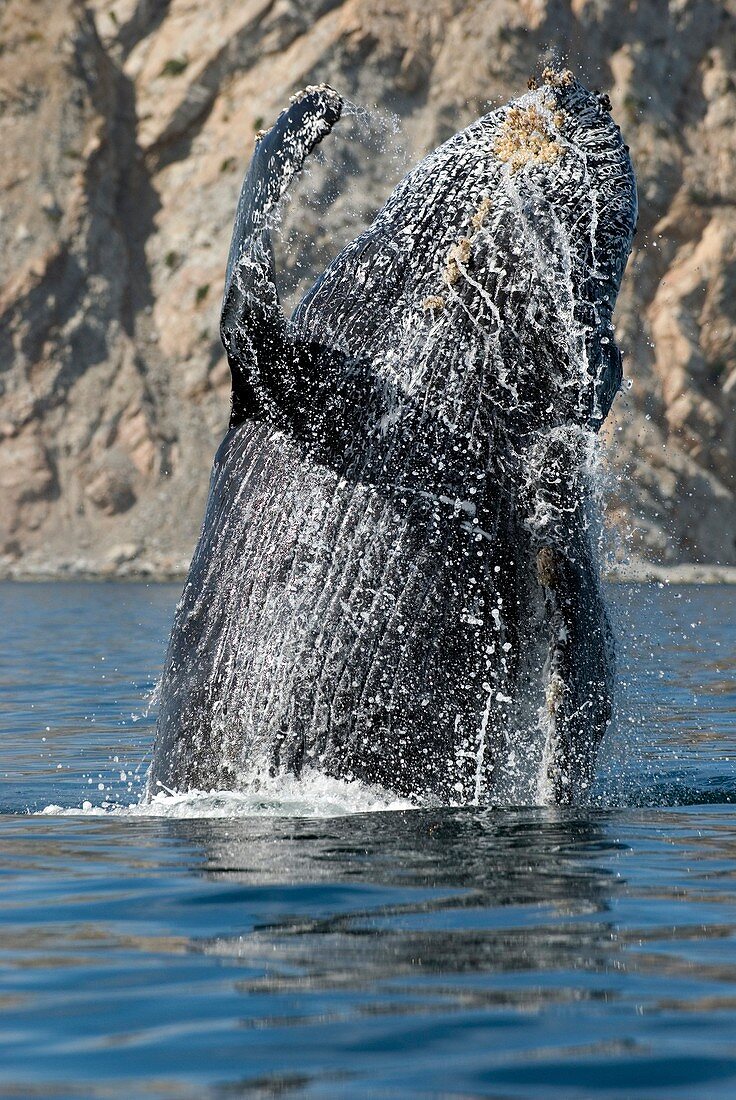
312 795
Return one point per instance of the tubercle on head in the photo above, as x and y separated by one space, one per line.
561 78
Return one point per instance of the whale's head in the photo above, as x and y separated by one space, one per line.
508 243
485 284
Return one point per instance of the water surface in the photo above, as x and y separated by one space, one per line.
282 945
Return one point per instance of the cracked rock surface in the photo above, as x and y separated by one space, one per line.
126 127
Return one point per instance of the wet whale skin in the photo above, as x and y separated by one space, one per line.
397 577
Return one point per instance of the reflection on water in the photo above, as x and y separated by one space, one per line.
458 953
415 953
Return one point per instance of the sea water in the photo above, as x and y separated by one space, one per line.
322 939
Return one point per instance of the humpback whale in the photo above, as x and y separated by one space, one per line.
397 577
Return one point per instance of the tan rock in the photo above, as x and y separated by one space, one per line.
111 487
126 128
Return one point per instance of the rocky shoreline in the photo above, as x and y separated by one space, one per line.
166 570
642 572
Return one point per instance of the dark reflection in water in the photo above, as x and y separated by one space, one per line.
477 850
496 893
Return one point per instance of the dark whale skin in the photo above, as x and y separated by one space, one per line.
397 576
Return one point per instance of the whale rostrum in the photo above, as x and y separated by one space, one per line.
397 578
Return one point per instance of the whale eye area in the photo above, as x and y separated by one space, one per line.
525 137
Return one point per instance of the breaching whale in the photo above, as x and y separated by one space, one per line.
397 579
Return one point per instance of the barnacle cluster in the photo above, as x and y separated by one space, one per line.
524 138
478 219
555 79
459 254
554 693
547 567
309 90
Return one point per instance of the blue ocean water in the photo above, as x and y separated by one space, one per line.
311 942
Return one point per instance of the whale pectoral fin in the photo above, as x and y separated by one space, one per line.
278 157
606 368
254 334
579 671
252 326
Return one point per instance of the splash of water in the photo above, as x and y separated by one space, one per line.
312 795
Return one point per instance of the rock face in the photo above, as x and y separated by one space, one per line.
126 127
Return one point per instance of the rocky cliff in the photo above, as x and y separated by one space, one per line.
126 127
